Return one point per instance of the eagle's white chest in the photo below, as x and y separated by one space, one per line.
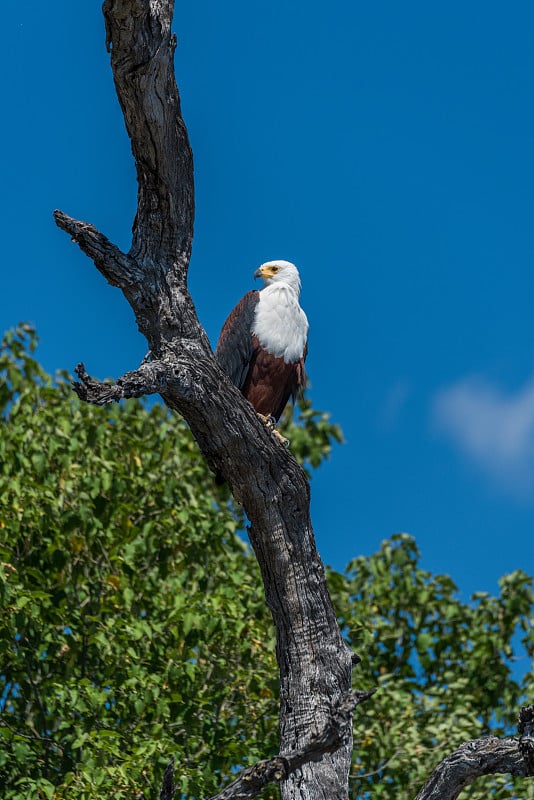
280 323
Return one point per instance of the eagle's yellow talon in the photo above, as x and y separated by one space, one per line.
270 423
281 439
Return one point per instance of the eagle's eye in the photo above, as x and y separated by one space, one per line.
275 269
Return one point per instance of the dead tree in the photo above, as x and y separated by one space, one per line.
315 663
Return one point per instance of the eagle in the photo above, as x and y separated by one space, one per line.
264 342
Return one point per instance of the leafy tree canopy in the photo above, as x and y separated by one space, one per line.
133 624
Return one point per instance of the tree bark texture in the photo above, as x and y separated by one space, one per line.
472 760
315 664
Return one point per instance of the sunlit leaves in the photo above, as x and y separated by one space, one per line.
310 432
133 625
129 606
444 667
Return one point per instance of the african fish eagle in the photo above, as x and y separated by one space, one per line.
263 343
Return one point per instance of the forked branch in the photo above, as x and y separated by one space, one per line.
116 267
149 378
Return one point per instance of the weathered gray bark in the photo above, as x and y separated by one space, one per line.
252 780
315 664
472 760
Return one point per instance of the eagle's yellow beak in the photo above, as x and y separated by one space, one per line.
266 271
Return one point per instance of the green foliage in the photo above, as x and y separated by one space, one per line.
133 625
444 668
311 434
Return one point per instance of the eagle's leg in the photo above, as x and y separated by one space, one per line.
270 422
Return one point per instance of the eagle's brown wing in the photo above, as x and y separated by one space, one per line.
235 349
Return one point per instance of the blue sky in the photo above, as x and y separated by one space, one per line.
388 150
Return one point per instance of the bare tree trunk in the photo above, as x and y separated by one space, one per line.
315 664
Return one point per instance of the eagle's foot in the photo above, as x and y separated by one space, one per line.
281 439
270 423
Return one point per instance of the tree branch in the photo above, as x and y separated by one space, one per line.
251 781
150 378
230 434
116 267
488 756
526 732
168 788
138 35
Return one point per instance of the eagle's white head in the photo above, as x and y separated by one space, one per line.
279 272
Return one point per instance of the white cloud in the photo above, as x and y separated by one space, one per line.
495 430
394 403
